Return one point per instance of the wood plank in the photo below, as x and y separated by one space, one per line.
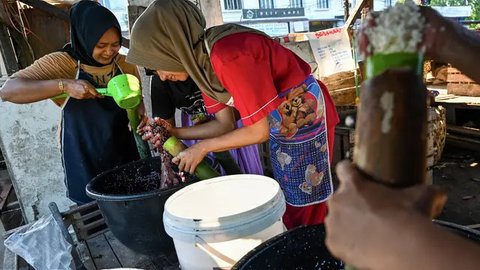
127 257
452 70
466 131
85 256
464 142
24 52
166 262
459 78
471 90
338 76
85 207
7 50
340 80
343 97
101 253
5 189
91 225
90 215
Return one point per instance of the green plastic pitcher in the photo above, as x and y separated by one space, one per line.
124 88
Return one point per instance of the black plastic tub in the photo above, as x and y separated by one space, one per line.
132 203
303 248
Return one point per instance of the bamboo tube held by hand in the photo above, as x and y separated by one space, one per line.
390 139
391 134
203 171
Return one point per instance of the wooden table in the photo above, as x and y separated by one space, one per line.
105 252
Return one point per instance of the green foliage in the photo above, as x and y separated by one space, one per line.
475 4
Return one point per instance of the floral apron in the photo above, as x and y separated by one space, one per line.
298 145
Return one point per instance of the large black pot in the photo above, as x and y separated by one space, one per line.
303 248
132 203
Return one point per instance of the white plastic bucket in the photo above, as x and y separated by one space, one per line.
215 222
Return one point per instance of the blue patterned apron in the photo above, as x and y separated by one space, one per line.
298 145
94 138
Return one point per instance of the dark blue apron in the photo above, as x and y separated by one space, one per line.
94 138
299 147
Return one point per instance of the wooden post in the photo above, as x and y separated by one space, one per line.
346 10
357 11
133 13
212 11
7 50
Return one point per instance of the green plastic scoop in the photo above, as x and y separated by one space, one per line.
124 88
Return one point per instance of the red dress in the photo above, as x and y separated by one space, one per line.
256 70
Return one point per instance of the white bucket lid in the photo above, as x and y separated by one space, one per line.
224 208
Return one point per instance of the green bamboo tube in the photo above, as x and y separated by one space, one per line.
142 146
380 62
203 171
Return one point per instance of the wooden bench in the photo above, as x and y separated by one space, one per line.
95 246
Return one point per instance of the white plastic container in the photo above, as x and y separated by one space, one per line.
215 222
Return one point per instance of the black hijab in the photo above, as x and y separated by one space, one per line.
88 22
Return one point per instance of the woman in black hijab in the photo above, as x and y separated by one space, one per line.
94 130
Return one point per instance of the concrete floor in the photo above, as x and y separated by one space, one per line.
458 173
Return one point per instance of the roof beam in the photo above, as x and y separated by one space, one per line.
48 8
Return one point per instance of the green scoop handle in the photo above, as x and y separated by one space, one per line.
124 88
103 91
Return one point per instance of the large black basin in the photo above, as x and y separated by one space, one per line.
132 203
303 248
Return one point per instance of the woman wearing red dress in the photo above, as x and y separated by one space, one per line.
272 88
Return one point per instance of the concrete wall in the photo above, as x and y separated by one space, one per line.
29 142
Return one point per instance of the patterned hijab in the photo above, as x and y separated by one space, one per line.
170 36
88 22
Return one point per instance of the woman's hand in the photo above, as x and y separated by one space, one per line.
362 38
155 131
188 159
80 89
365 218
438 33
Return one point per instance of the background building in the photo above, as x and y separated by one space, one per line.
280 17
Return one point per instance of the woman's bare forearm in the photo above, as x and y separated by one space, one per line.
247 135
463 52
223 122
207 130
21 91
